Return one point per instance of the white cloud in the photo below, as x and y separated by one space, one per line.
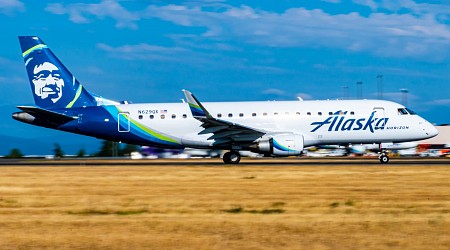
56 8
93 70
277 92
196 58
370 3
440 102
80 12
9 7
331 1
387 35
145 51
398 97
305 96
4 61
415 33
261 69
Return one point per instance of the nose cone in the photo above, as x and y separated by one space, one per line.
431 130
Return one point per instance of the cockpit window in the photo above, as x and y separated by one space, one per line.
411 112
402 112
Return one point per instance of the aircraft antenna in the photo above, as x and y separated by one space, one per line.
380 86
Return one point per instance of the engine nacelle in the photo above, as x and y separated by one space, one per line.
282 145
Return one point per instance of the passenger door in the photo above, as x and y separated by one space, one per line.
123 122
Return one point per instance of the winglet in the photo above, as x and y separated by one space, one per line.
196 107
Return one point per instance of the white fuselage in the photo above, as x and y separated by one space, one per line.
320 122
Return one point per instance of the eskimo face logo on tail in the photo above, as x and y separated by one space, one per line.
47 81
340 122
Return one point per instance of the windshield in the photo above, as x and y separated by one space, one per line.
410 111
402 111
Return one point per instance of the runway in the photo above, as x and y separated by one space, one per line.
286 203
245 162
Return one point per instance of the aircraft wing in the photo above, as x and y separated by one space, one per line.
47 115
224 132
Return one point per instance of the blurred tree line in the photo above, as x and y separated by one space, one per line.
107 149
115 149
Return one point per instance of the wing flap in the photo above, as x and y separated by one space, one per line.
212 130
224 132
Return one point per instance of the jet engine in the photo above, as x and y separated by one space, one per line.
280 145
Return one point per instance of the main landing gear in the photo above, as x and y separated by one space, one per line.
232 157
383 157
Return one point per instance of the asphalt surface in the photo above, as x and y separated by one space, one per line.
331 161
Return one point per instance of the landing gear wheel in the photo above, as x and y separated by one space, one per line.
231 157
384 158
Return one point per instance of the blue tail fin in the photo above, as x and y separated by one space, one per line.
52 84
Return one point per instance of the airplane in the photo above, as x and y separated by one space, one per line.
272 128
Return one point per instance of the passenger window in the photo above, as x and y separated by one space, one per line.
320 113
330 113
352 113
219 115
264 114
163 116
184 116
174 116
253 114
241 115
276 113
152 116
298 113
309 113
140 117
230 115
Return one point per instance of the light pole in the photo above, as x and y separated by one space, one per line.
404 96
380 86
345 87
359 89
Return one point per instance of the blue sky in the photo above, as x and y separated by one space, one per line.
147 51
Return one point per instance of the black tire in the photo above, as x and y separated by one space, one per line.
234 157
231 157
226 158
384 159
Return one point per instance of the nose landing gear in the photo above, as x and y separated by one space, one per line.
383 157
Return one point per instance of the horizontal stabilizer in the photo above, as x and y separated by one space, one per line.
47 115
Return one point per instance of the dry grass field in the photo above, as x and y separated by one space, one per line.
223 207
